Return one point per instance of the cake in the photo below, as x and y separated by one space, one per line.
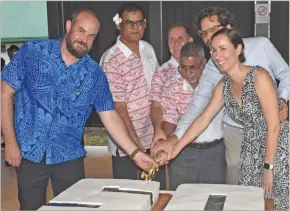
107 194
216 197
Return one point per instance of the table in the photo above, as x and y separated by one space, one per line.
165 196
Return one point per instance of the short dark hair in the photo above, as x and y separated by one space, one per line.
181 25
235 38
75 15
130 7
192 48
13 48
224 16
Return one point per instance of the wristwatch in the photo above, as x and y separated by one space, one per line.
268 166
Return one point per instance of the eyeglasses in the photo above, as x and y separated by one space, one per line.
131 24
211 30
182 68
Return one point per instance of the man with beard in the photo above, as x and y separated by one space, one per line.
129 66
56 85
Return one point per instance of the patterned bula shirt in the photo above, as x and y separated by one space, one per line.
53 101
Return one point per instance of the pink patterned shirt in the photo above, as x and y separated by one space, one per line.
160 77
176 98
128 83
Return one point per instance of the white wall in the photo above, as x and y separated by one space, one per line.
23 19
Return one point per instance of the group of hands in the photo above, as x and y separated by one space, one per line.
162 150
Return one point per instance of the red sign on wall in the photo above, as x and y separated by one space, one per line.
262 13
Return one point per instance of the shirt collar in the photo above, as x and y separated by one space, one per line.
173 62
58 44
80 61
187 86
126 51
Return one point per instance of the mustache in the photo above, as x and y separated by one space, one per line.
81 43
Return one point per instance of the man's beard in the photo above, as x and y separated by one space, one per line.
72 50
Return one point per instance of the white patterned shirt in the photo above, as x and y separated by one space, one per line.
161 76
129 78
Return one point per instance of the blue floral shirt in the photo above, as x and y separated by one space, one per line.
53 101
